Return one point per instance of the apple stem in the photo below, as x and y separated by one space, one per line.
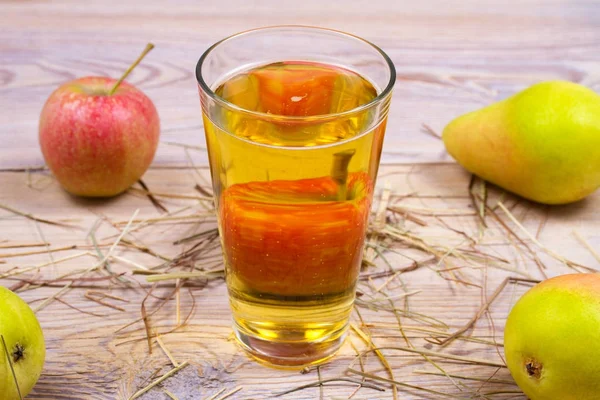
149 47
339 171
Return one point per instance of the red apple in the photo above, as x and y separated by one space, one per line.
96 143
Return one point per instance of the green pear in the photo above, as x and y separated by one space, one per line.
552 339
542 143
25 346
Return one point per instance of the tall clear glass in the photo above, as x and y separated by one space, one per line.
294 119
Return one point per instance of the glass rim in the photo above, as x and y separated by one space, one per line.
319 117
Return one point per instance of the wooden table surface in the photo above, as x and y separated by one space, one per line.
451 58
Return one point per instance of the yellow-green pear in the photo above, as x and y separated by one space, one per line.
22 347
542 143
552 339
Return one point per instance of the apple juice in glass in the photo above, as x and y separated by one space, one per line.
294 119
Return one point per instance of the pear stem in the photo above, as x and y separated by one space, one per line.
149 47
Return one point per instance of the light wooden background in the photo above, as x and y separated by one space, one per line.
451 57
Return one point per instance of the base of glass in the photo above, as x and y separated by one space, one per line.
290 355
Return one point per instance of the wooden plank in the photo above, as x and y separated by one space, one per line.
449 59
88 357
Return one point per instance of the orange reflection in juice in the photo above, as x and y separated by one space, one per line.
293 197
306 247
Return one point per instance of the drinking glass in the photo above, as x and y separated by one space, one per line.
294 149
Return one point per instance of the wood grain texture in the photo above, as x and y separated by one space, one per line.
89 358
451 58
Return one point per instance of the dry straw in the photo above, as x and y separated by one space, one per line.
407 236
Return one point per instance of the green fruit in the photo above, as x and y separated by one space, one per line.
552 339
542 143
25 344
